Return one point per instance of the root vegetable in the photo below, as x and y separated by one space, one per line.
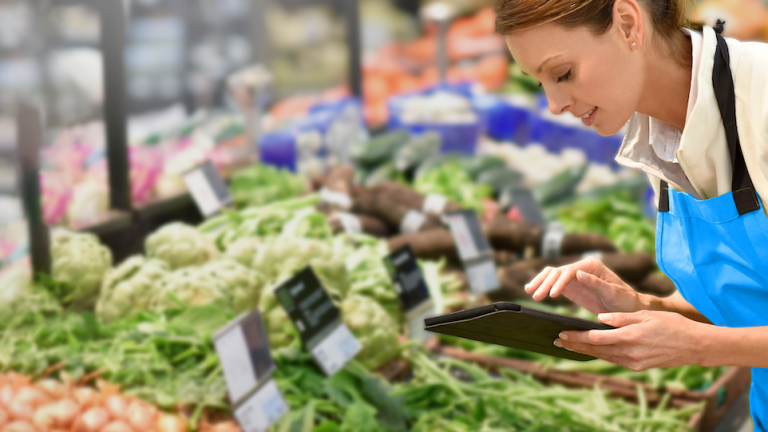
3 418
117 426
92 420
171 423
20 410
579 243
140 415
31 396
19 426
341 179
6 395
368 224
406 196
429 245
54 389
517 236
59 414
116 405
389 212
85 397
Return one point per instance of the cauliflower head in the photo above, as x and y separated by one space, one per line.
81 262
128 287
180 245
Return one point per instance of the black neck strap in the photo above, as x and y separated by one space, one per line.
744 195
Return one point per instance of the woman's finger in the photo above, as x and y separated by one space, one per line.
596 350
595 337
546 286
534 284
567 275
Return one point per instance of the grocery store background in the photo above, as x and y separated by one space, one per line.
131 95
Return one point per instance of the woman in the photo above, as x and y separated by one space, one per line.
697 106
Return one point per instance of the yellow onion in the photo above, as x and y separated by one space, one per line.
3 418
59 414
51 387
6 395
116 406
19 426
92 420
117 426
86 397
31 396
140 416
171 423
20 410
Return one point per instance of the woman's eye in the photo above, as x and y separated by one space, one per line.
564 77
540 85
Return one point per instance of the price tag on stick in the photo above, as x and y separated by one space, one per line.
412 291
208 189
523 200
474 250
318 321
243 350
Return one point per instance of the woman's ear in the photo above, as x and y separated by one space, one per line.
628 21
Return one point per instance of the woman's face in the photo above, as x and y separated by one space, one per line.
597 78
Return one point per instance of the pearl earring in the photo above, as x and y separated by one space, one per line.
634 44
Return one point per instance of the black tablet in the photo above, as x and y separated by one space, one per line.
515 326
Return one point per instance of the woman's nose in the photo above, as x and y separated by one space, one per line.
558 104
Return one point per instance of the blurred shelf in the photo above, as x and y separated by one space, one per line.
112 222
165 205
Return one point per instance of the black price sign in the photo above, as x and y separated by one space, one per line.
208 189
412 290
474 250
523 200
406 275
318 321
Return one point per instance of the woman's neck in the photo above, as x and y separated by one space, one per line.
666 90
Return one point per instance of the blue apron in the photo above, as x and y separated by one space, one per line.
716 250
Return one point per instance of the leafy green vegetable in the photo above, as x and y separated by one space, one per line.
128 287
451 181
79 264
262 184
180 246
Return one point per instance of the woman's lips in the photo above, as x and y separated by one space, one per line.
589 118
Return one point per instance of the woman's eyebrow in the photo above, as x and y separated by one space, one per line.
541 66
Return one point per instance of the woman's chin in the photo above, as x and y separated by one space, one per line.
608 128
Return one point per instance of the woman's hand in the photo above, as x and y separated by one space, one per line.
643 340
588 283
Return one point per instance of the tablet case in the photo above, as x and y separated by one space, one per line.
511 325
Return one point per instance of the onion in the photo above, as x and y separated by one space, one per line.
52 388
140 415
116 405
20 410
92 420
224 426
6 395
60 414
117 426
86 397
3 418
171 423
31 396
19 426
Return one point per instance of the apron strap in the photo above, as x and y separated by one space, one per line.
744 195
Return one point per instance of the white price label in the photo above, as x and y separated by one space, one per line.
337 198
260 411
339 347
482 277
416 319
236 363
552 243
434 204
463 237
350 223
412 222
202 192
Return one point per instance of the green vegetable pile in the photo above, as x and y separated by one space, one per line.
450 180
617 216
262 184
79 263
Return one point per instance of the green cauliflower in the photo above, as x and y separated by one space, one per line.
243 284
244 249
180 245
280 329
374 328
191 286
80 262
128 287
18 296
